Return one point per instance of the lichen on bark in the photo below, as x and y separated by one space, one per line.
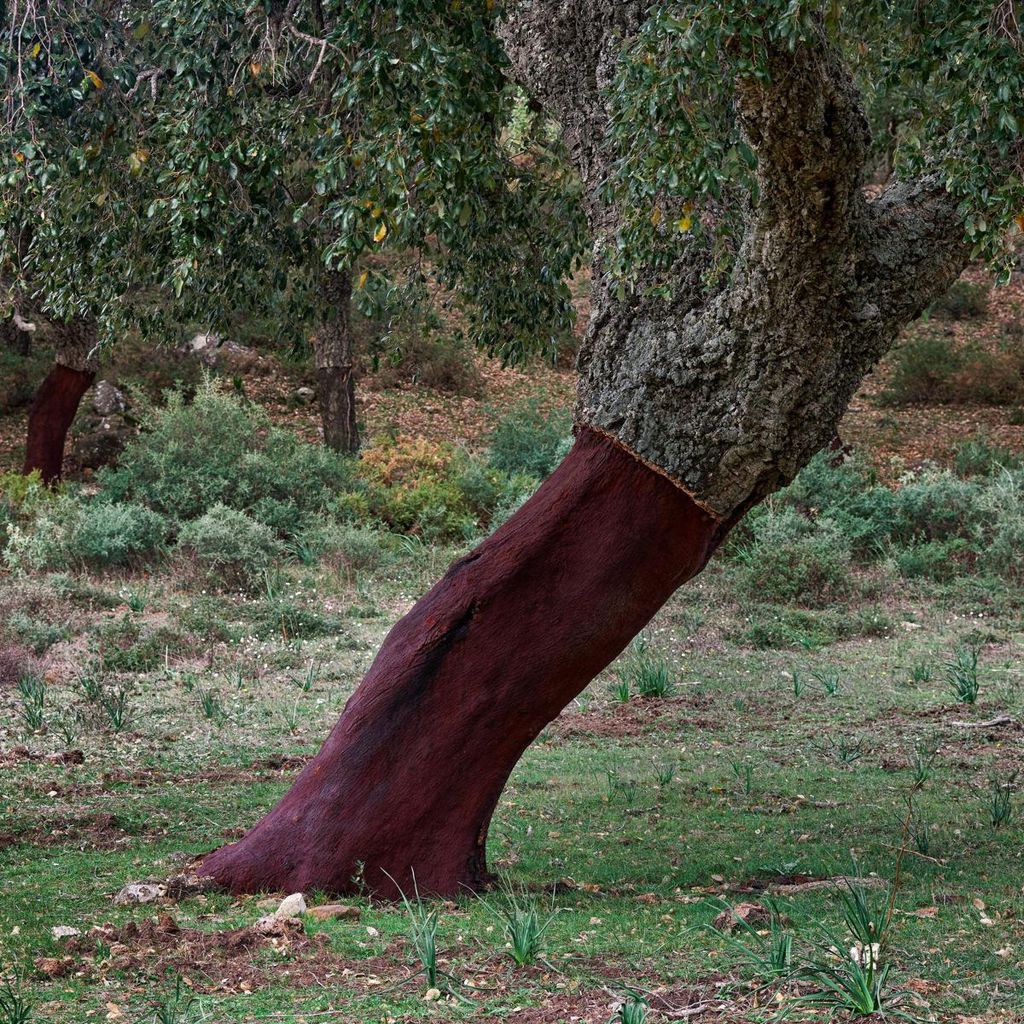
730 390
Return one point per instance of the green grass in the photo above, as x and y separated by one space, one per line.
636 832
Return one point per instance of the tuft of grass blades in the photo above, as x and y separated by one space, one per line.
523 921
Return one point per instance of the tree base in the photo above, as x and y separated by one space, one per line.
53 411
406 783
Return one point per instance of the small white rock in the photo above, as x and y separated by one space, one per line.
140 892
64 931
292 906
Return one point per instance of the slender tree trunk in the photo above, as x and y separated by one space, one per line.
690 410
58 397
334 364
408 780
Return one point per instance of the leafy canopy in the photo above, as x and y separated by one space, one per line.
213 158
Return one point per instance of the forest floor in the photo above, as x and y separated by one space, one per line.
634 822
177 717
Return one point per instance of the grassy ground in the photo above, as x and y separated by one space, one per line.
633 820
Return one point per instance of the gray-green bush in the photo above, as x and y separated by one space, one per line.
228 548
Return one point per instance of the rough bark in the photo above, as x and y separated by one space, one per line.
334 365
58 397
730 392
408 779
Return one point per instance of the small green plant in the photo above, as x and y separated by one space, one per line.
33 700
619 690
92 687
14 1005
523 922
626 789
213 708
177 1007
745 774
798 684
769 957
308 679
962 674
423 922
664 774
69 725
845 750
115 704
925 753
852 980
634 1009
645 672
829 679
1000 801
136 602
920 673
291 718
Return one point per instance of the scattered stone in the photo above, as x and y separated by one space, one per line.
64 931
292 906
271 903
304 396
102 441
276 926
751 914
432 995
205 347
140 892
108 400
335 912
188 883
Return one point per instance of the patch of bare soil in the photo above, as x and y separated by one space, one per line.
89 832
636 718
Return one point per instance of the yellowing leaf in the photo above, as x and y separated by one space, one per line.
381 232
376 212
656 216
94 78
255 67
37 49
361 283
1019 221
684 223
20 157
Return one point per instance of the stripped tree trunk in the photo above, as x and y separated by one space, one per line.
57 398
334 364
690 411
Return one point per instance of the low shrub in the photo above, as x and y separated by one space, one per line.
219 450
69 532
429 359
359 548
530 440
965 300
922 368
228 548
429 490
793 558
932 369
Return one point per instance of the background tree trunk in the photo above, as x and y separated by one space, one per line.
334 364
410 775
58 397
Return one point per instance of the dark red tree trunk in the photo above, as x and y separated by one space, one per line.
53 411
409 777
